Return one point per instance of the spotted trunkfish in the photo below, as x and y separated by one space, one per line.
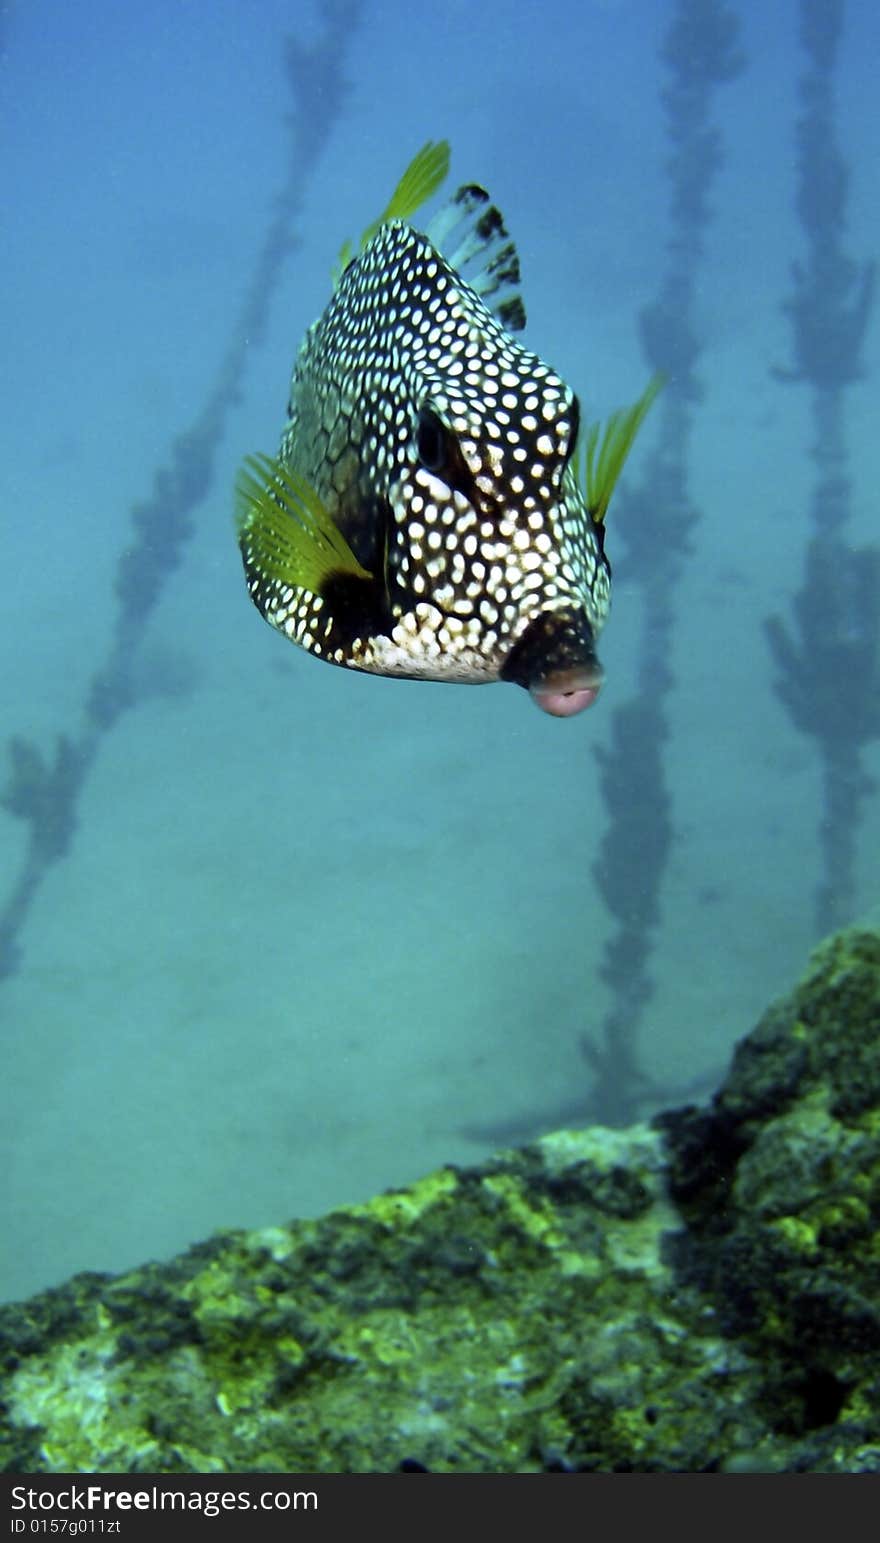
431 513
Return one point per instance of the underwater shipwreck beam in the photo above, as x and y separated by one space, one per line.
828 657
43 792
699 52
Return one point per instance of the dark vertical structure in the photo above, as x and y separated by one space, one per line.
828 657
699 53
43 791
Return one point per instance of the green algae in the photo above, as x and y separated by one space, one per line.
699 1295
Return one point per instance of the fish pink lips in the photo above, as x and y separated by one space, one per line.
566 693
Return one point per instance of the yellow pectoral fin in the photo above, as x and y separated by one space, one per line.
285 534
608 448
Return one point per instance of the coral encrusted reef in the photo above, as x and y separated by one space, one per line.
697 1294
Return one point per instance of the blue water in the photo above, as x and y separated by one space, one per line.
317 932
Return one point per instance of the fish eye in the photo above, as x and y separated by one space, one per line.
439 452
432 441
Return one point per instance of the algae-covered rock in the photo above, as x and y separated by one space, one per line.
696 1295
779 1184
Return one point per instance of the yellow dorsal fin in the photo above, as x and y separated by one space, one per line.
606 450
285 533
423 176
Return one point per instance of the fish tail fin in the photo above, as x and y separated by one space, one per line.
470 231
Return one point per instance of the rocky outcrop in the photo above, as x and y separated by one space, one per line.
698 1294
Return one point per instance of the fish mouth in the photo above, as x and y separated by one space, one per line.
567 692
555 660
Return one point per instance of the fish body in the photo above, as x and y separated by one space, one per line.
425 516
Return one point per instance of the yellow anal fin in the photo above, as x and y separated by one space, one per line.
423 176
606 449
285 534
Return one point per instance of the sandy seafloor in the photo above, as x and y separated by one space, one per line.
316 927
